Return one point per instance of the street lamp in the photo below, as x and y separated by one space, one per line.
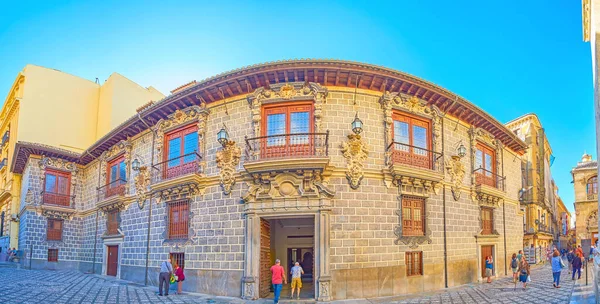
223 136
135 165
357 125
462 150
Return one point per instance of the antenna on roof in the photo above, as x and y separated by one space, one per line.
97 81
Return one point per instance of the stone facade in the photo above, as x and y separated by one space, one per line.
354 201
586 201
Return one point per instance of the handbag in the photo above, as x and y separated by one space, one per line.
529 278
562 264
172 279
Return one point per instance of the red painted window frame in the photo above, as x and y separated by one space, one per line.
481 177
52 255
410 227
487 226
180 132
53 233
414 263
178 229
112 222
412 120
288 149
118 187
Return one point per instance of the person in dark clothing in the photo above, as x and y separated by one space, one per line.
570 256
576 266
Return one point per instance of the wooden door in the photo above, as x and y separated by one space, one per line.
112 260
485 252
265 259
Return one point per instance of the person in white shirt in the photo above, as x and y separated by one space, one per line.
166 269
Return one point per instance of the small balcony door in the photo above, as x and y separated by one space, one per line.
57 188
180 154
117 177
279 123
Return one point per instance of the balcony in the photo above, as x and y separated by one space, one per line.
179 174
287 152
112 191
57 199
415 162
489 186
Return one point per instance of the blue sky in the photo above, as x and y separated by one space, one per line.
508 57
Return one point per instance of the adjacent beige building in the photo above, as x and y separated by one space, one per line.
585 183
54 108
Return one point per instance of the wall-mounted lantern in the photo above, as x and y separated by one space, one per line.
223 136
135 165
357 125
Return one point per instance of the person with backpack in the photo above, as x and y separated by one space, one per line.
570 256
514 264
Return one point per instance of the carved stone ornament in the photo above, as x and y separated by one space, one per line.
119 205
592 220
416 186
282 186
412 105
324 289
142 184
249 285
57 214
183 190
456 170
227 160
197 114
412 241
30 198
355 152
487 200
300 91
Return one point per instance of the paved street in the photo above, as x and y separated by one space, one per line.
45 286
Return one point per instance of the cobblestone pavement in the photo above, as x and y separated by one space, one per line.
46 286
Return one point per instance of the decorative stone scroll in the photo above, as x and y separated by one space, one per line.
293 91
58 214
487 200
227 160
142 184
179 191
416 186
456 170
412 105
355 151
592 221
197 114
289 185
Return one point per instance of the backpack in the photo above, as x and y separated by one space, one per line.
514 264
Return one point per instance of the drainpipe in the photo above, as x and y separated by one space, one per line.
97 215
504 215
150 200
444 214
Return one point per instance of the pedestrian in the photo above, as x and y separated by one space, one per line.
164 277
523 272
580 251
277 278
296 273
180 277
514 265
489 266
591 253
557 266
570 257
576 266
520 255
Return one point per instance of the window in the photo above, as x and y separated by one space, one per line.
413 216
117 177
54 232
181 151
414 263
112 222
411 141
52 255
487 220
592 186
279 122
178 258
485 170
57 188
178 219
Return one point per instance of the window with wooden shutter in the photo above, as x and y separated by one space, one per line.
57 188
178 258
178 219
116 177
181 153
287 130
112 222
413 216
52 255
412 141
485 168
487 220
592 187
54 230
414 263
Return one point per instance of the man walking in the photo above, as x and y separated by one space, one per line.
166 269
570 257
296 273
277 277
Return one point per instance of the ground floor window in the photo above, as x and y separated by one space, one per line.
414 263
52 255
178 258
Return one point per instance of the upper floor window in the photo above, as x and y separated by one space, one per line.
592 186
485 171
57 188
287 129
54 231
487 220
116 177
181 151
413 216
412 141
178 216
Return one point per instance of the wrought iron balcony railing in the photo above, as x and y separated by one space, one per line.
116 187
489 178
296 145
56 199
410 155
176 167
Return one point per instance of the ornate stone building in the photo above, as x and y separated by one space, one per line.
379 183
585 183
